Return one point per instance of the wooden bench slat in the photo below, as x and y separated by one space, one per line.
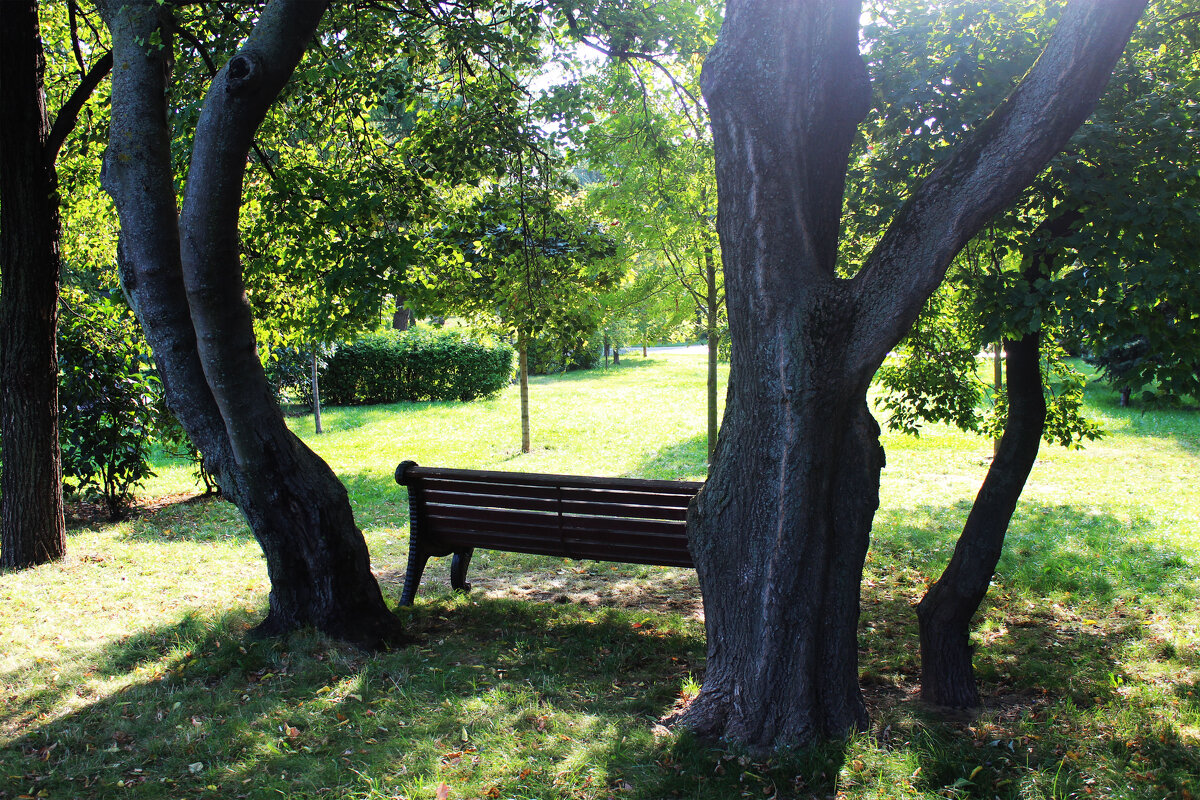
545 524
611 509
489 500
467 534
644 497
489 489
532 479
653 526
659 558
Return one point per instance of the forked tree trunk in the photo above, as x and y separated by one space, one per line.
31 522
183 278
779 531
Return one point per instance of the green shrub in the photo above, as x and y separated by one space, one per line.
108 400
417 364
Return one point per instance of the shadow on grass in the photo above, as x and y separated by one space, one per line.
685 460
203 518
525 699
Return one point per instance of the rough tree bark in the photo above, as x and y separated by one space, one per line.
780 530
182 274
945 612
32 530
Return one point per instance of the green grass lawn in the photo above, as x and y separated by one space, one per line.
125 671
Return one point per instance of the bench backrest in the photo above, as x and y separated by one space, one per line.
606 519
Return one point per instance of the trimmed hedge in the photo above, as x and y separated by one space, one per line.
415 364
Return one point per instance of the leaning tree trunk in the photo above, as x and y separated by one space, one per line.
945 612
780 530
183 277
32 530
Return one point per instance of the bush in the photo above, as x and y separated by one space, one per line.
108 401
416 364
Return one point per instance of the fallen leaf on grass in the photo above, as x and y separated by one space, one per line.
443 792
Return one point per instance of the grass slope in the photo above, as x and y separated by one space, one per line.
125 671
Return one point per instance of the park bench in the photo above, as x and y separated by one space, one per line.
454 511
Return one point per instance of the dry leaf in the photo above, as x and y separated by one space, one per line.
443 792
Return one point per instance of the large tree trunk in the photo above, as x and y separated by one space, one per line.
32 529
945 612
183 277
780 530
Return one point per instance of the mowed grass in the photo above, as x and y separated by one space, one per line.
125 671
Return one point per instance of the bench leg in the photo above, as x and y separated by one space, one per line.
458 570
417 558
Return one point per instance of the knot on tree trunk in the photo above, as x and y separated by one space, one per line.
243 71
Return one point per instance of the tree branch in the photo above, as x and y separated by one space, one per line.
987 172
64 123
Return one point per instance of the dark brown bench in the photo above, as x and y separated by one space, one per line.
454 511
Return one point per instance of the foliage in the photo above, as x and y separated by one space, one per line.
417 364
108 400
520 256
1131 173
931 376
1119 362
562 355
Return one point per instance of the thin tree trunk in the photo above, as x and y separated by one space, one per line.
997 385
32 529
714 348
945 612
316 393
645 351
523 368
182 275
616 356
606 349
